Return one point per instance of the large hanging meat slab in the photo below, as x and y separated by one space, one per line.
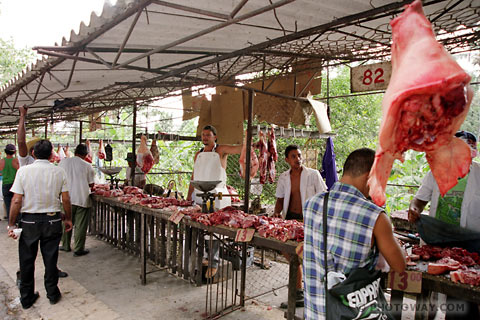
426 101
144 156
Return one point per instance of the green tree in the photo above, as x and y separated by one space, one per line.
12 60
355 119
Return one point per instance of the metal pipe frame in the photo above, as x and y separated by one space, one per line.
206 31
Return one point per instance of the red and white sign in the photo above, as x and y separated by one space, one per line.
370 77
244 235
407 281
176 217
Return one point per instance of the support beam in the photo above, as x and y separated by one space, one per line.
248 148
134 133
206 31
207 13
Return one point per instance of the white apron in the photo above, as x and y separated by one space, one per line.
207 167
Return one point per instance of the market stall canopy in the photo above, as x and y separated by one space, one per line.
141 50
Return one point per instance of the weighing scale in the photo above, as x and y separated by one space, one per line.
112 172
207 196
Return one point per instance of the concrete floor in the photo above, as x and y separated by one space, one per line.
105 285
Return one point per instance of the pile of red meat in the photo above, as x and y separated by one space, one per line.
428 252
135 195
277 228
456 260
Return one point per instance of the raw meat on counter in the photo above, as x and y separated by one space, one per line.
104 190
463 256
267 227
101 150
243 160
89 156
468 276
155 152
144 156
272 156
132 190
443 265
263 157
426 101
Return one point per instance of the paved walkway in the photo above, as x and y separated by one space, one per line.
105 285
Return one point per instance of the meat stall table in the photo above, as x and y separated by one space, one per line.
433 283
178 247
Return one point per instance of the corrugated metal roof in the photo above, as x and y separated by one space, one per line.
170 46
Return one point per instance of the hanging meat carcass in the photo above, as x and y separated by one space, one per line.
155 152
272 156
54 158
68 154
263 156
243 160
61 153
101 150
427 99
89 156
144 156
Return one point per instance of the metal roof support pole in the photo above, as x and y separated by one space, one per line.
46 129
80 132
134 133
127 36
238 8
206 31
249 148
247 194
328 92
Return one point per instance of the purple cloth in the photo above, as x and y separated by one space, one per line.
329 168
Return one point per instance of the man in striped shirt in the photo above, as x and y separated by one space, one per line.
354 226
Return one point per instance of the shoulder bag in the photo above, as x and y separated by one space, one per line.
359 296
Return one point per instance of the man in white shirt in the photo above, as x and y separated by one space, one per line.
37 190
294 187
460 205
26 157
80 178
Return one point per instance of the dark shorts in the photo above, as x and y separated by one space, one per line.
294 216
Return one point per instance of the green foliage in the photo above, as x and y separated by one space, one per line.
405 179
355 119
13 60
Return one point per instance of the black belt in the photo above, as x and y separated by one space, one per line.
42 213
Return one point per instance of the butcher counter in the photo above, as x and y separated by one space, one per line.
178 248
432 283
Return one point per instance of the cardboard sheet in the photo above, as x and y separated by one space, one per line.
320 112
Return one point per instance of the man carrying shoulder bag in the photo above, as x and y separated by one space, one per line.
354 231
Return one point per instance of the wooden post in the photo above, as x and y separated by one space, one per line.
249 148
143 249
292 286
243 280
